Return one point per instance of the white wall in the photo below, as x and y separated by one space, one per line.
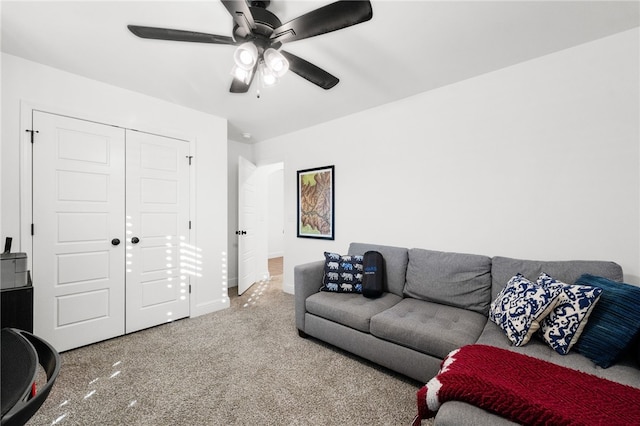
25 82
539 161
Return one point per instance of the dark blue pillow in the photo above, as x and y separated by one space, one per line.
342 273
614 322
636 350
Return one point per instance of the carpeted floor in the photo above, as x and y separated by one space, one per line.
244 365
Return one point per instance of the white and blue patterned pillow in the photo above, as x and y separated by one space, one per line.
342 273
562 328
520 306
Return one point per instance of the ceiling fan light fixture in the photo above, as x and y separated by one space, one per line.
246 55
276 62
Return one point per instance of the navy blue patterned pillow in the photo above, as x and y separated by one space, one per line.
520 306
342 274
562 328
614 322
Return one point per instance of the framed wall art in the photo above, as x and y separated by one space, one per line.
316 203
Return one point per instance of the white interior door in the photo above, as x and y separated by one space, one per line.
78 241
158 264
247 219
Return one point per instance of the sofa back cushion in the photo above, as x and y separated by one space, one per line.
395 263
567 271
454 279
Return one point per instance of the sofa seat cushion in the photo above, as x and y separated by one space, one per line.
428 327
349 309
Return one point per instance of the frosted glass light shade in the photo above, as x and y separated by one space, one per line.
268 77
277 63
242 74
246 56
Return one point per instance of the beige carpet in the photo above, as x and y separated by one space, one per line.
244 365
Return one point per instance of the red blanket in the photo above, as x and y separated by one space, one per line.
528 390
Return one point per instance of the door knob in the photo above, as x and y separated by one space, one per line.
115 241
135 240
241 232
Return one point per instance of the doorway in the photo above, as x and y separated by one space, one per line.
275 215
276 266
260 232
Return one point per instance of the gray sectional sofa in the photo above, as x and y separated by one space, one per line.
435 302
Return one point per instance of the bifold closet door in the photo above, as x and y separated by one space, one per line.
111 251
159 259
78 238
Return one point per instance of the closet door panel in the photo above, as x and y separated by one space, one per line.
157 284
78 209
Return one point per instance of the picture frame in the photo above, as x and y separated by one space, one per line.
316 203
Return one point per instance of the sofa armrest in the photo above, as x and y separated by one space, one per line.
307 280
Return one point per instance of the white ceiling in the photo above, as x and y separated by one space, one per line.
407 48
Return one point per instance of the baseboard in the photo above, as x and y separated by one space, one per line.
209 307
289 289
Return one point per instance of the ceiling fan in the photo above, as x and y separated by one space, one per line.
259 34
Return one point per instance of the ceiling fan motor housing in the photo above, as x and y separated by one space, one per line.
265 22
260 3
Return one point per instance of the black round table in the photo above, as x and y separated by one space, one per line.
21 354
19 368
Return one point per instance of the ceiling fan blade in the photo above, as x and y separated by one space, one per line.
241 14
178 35
332 17
310 72
239 86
